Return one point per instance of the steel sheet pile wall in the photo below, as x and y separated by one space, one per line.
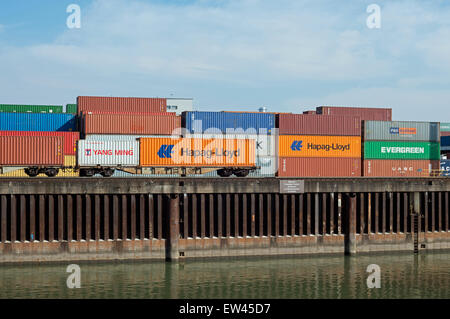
319 146
31 150
257 126
366 114
45 122
120 104
401 149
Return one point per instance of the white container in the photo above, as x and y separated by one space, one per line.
108 153
264 144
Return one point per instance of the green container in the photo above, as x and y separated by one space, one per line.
445 127
71 108
10 108
402 150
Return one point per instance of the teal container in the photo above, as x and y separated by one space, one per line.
71 108
19 108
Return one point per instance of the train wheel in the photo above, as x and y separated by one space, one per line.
51 172
108 172
225 172
242 172
87 172
32 171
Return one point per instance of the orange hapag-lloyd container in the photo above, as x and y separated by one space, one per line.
197 152
319 146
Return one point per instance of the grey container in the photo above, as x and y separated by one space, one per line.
401 131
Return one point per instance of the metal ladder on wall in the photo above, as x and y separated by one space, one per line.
416 232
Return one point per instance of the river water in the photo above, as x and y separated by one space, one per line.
402 276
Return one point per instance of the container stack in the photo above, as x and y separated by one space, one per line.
35 134
445 139
401 149
257 126
365 113
319 145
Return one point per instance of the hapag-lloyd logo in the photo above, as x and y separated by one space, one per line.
298 145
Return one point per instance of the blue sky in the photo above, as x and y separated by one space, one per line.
231 54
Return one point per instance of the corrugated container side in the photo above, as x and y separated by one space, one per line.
399 168
445 141
224 122
319 146
131 124
31 150
366 114
108 153
72 108
310 112
133 113
70 138
445 167
401 131
121 104
445 133
319 167
47 122
445 127
306 124
401 150
265 145
190 152
31 108
109 137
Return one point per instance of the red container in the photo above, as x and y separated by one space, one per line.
366 113
131 113
399 168
309 112
70 138
31 150
121 104
130 124
319 167
308 124
445 133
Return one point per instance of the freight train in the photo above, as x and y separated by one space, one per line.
138 137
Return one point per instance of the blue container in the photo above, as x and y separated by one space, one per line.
445 141
445 167
47 122
223 122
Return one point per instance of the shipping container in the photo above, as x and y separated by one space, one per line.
319 146
445 133
111 137
445 167
400 168
70 138
31 150
307 124
310 112
365 113
108 153
72 108
401 150
228 122
401 131
319 167
191 152
46 122
133 113
265 145
445 127
12 108
129 124
445 142
120 104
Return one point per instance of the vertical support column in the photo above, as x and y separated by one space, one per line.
440 211
398 213
227 216
332 214
32 218
361 214
244 215
277 215
285 210
151 217
160 206
60 218
253 217
391 213
194 216
316 214
339 213
405 213
269 215
69 218
236 215
3 218
426 212
23 218
124 213
115 217
377 218
447 211
202 216
106 212
293 215
324 214
350 236
186 215
41 218
308 214
211 216
141 217
88 223
174 228
383 214
51 218
219 216
369 213
261 215
97 217
13 218
133 216
433 212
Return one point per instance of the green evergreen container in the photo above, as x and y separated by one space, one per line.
445 127
12 108
402 150
71 108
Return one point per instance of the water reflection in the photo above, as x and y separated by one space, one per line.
402 276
